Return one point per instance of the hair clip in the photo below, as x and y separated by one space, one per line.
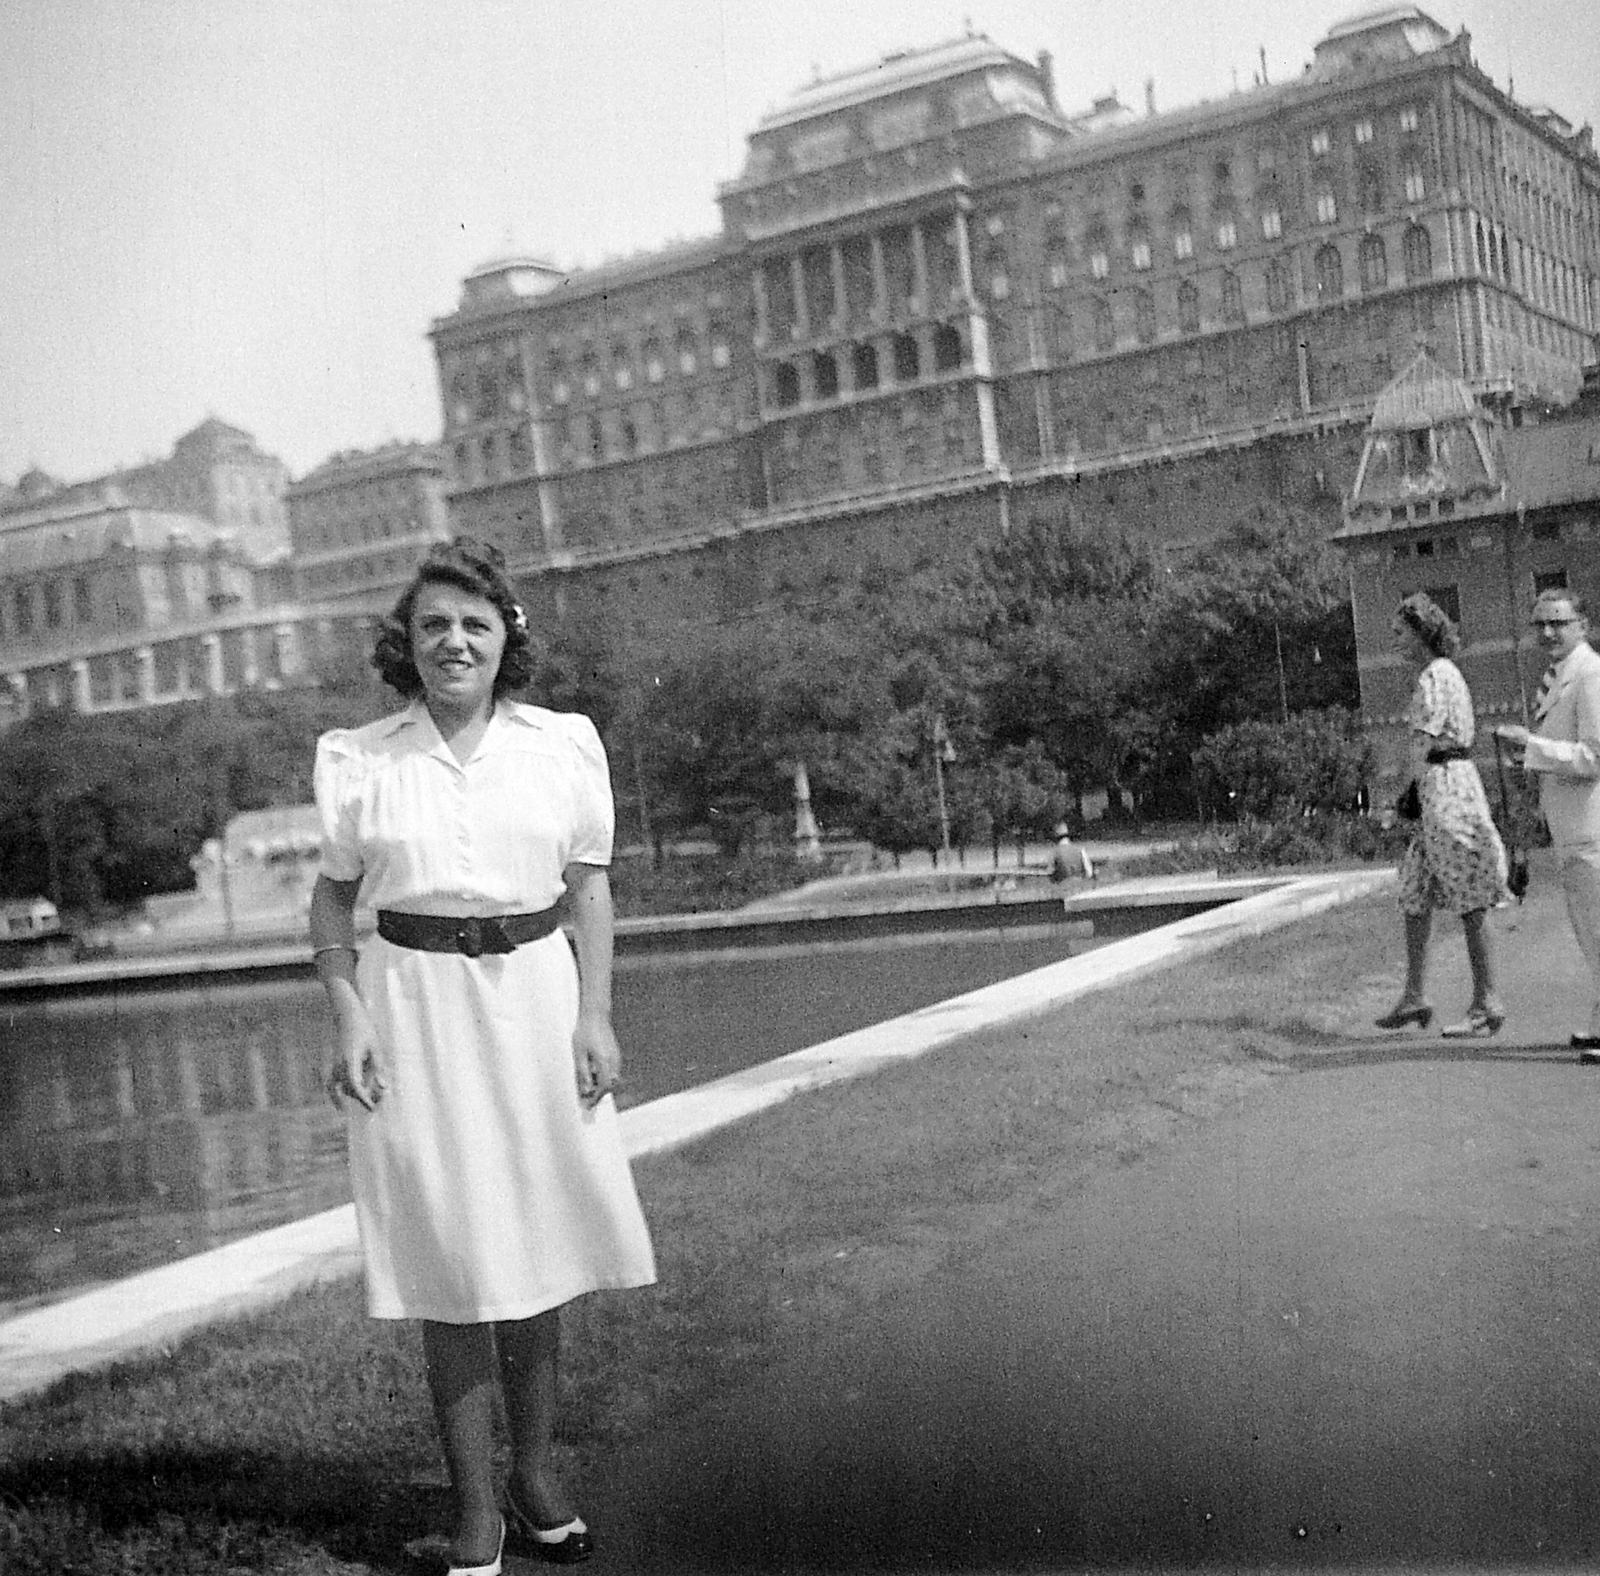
519 618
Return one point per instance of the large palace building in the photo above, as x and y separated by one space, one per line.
939 302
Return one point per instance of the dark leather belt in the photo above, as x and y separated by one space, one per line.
1448 752
472 936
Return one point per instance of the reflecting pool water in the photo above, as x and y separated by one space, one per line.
139 1126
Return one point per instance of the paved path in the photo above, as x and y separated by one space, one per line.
1353 1325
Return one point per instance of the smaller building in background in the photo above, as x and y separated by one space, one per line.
215 472
107 606
360 521
1481 515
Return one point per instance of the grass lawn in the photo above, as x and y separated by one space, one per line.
301 1441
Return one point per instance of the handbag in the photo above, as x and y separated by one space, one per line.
1409 805
1518 874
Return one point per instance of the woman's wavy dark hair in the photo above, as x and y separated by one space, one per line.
472 566
1431 623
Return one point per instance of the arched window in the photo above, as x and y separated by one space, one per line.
687 360
1277 286
1482 248
864 366
824 375
1374 263
1330 274
1097 246
1061 333
1055 258
999 272
1105 332
1182 233
946 349
1144 317
1418 253
1371 189
1188 307
907 359
1232 299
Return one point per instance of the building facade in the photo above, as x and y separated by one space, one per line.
105 606
360 521
214 473
939 300
1450 499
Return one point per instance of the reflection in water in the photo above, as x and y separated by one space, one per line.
142 1126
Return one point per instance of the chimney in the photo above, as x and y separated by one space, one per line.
1047 76
1150 96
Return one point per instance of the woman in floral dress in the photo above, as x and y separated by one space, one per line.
1456 861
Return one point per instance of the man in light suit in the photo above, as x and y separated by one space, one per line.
1564 749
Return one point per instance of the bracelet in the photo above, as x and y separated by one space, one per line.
333 946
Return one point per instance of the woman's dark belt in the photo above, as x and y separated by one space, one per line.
473 936
1447 752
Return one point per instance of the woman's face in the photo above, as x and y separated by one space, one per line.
457 639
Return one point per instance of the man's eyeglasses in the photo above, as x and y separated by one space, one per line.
1550 623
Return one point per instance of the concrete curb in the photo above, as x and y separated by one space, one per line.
148 1311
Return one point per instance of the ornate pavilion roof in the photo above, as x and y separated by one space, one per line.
1423 395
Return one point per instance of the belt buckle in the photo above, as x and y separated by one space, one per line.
469 937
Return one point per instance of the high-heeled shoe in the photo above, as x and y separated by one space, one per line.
1417 1012
1480 1023
493 1568
566 1544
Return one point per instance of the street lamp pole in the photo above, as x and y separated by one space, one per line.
1283 684
943 750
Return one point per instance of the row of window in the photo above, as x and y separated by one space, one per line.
343 529
1224 235
1544 279
819 376
591 437
44 606
495 386
1278 289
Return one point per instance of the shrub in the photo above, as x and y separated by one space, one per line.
1315 760
1315 839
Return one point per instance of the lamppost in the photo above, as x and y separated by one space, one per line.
943 751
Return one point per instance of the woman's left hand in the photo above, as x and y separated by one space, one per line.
597 1056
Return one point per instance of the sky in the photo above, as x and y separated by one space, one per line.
253 209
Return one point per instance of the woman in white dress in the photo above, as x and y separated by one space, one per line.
1455 861
474 1059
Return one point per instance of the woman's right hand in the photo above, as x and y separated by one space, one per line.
356 1068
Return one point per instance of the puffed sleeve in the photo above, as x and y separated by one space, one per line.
594 814
336 784
1426 713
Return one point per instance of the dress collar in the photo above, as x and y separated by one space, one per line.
416 722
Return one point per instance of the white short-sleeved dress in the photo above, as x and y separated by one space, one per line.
484 1188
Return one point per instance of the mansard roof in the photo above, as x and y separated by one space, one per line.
893 73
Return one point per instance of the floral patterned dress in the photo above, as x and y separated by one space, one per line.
1456 860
